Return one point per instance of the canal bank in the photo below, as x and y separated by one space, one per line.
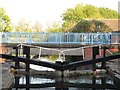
7 76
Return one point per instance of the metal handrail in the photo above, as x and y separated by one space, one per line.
60 38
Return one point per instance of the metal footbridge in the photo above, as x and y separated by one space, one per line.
59 38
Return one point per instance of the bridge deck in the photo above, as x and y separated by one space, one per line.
60 38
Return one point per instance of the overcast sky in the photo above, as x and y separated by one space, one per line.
47 11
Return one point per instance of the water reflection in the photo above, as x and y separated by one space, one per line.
80 83
35 80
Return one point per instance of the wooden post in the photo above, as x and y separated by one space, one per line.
104 54
27 63
26 51
62 71
61 64
17 65
93 81
95 51
103 79
119 48
94 63
58 84
16 82
27 82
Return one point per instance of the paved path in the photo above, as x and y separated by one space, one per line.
7 78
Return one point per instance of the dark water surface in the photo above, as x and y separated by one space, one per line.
104 82
86 82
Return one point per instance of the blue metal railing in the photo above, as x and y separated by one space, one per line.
60 38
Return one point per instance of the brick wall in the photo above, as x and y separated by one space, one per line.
2 51
88 53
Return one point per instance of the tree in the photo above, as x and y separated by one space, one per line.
5 22
67 26
87 11
91 26
108 13
74 14
91 12
23 26
55 28
72 17
37 27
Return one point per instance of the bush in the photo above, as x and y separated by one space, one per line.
91 26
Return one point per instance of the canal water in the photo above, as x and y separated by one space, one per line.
99 82
84 82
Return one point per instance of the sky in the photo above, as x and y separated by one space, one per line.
47 11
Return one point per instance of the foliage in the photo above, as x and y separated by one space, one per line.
91 26
87 11
76 18
55 28
37 27
108 13
91 12
5 22
74 14
68 58
52 57
67 26
23 26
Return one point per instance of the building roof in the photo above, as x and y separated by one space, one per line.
114 24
